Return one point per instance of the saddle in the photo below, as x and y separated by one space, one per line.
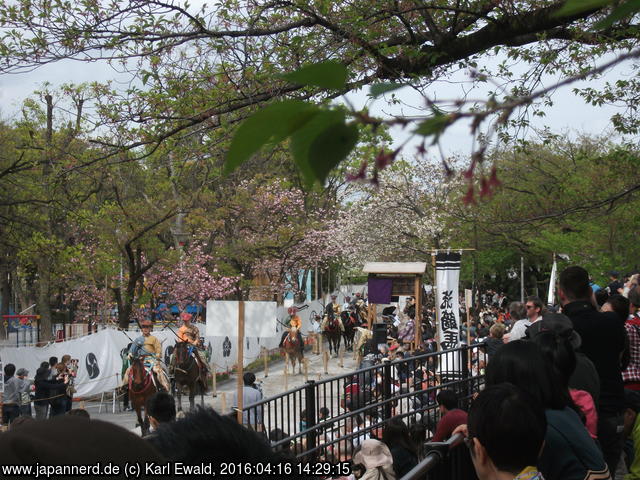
333 324
291 340
148 379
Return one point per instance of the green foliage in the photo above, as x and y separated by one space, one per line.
379 89
434 126
331 75
330 147
554 200
320 138
574 7
273 123
622 11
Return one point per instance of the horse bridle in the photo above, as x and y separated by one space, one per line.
147 380
183 346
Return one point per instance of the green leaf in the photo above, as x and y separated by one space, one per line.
433 126
575 7
329 74
273 123
381 88
331 147
303 138
621 12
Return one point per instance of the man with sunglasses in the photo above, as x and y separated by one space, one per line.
533 313
534 309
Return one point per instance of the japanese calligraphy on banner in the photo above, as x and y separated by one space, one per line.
447 276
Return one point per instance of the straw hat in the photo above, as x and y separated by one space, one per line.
373 454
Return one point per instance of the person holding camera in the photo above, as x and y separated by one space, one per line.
58 390
71 370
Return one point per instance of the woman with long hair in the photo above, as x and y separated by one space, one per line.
397 437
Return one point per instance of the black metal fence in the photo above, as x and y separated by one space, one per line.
327 419
445 460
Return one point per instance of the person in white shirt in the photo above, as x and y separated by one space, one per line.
525 316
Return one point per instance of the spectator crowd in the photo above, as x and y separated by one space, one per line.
559 401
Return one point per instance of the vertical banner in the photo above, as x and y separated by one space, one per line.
551 296
468 299
447 276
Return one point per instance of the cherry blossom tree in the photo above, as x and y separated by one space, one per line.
401 219
192 279
271 230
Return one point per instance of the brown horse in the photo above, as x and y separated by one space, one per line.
350 323
333 334
141 387
291 346
186 374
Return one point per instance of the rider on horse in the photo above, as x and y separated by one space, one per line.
293 321
332 314
149 348
189 333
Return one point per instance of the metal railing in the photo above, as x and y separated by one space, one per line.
444 460
327 419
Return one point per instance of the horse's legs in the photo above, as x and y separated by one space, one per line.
138 409
178 397
143 422
192 396
145 430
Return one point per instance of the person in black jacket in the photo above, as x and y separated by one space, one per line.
49 388
56 387
603 342
42 391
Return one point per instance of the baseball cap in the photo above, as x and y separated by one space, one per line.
558 323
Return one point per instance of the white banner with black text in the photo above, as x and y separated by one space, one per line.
447 303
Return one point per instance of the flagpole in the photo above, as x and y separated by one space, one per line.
552 282
435 298
522 279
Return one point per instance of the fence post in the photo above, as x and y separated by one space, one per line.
464 354
310 407
386 389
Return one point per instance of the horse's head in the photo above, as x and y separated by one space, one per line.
181 352
138 372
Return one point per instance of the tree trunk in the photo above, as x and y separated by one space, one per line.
125 303
42 301
5 292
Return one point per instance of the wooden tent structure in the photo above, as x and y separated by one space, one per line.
407 280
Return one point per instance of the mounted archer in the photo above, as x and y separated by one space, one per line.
293 325
149 349
190 334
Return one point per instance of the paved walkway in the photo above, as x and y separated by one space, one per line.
274 383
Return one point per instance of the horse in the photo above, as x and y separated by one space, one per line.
291 347
333 334
186 373
364 335
141 387
350 323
